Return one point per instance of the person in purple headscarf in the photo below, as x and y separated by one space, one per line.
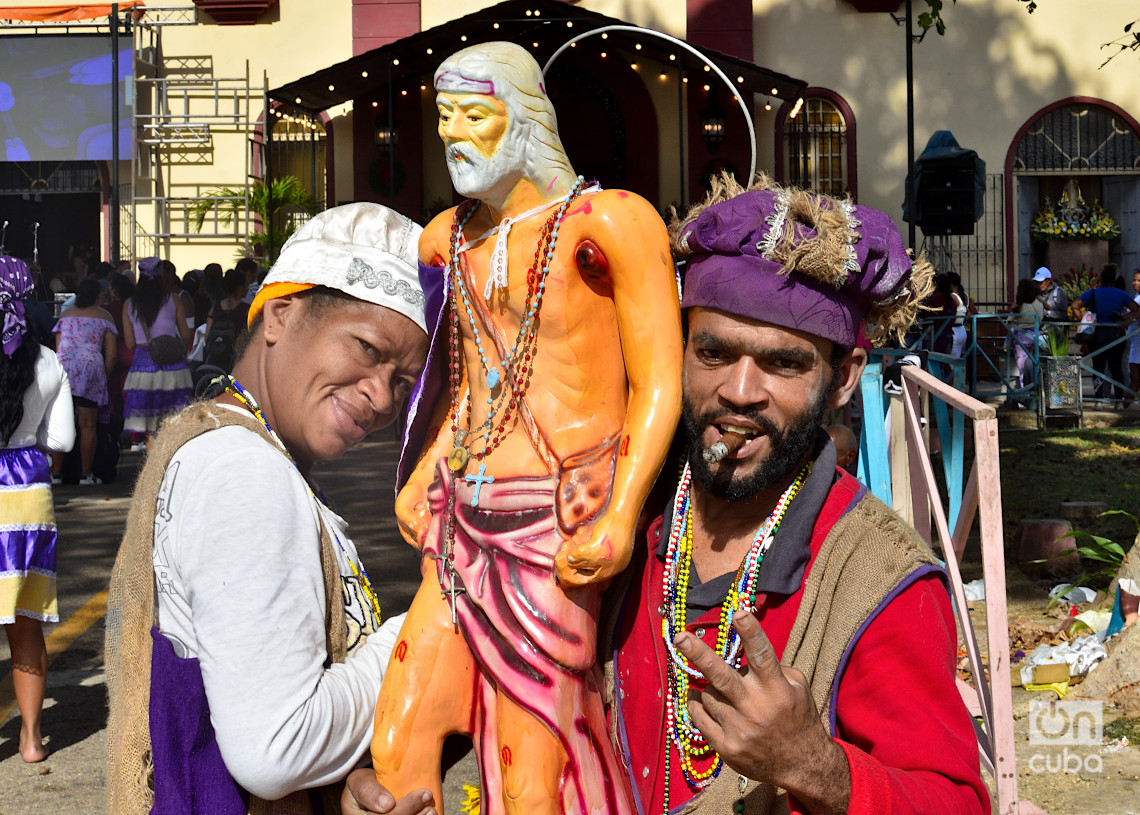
35 415
153 388
774 598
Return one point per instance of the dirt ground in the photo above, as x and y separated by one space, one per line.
1062 779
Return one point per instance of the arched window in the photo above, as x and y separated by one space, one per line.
815 147
1078 138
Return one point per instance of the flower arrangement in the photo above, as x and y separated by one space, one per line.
1076 282
1073 220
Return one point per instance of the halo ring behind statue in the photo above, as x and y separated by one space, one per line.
739 97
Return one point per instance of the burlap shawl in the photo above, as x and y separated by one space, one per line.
131 614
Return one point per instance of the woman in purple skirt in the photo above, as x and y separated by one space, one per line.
85 342
153 391
35 414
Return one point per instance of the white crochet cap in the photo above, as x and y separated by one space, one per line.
365 250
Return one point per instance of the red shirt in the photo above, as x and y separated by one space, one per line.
896 713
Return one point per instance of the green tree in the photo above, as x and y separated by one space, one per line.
289 200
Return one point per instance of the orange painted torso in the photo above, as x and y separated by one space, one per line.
578 391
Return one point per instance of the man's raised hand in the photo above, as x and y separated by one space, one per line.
763 721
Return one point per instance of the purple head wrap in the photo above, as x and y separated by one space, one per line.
15 285
150 267
756 255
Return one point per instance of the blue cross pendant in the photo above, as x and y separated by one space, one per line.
479 479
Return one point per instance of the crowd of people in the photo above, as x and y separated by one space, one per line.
109 326
1111 307
76 381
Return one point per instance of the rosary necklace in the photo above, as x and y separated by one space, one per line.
679 728
234 389
511 375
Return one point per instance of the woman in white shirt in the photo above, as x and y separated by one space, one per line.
261 677
35 415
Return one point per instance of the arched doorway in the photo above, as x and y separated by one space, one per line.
1090 141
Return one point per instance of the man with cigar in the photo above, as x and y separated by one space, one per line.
785 642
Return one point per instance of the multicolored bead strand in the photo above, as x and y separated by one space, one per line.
680 732
517 362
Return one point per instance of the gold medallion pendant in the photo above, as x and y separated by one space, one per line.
458 459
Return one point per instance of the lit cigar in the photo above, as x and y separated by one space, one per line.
730 442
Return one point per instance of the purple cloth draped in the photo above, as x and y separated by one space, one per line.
20 466
15 286
190 777
27 548
433 379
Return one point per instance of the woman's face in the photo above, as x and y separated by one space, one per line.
336 373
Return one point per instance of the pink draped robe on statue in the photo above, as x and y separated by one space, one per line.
531 641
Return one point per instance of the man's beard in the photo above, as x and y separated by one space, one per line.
475 176
786 449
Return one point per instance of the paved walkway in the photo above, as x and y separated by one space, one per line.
90 521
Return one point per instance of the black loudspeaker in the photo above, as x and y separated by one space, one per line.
947 198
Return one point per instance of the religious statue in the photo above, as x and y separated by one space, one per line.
559 341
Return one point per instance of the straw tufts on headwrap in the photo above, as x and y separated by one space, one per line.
821 255
895 317
742 242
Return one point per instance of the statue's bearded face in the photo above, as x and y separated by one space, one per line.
484 148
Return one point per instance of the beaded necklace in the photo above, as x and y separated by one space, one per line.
679 728
234 389
514 368
513 371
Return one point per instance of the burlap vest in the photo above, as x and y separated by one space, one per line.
868 553
131 614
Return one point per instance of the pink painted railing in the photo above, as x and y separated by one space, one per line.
981 497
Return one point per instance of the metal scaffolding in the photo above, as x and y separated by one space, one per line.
184 116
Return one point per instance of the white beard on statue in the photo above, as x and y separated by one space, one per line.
475 176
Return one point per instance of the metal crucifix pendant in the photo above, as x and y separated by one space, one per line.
451 592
